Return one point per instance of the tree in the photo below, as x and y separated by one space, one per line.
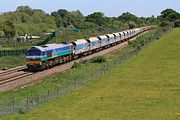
128 17
25 9
1 33
25 18
9 29
75 18
60 17
170 15
177 23
64 18
132 25
152 20
165 23
98 18
87 25
60 13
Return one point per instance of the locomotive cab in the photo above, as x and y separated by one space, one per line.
33 58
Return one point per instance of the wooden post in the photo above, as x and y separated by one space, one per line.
48 95
57 92
13 104
27 104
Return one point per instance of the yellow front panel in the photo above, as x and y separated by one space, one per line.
34 62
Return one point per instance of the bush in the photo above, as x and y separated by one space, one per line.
177 23
165 23
21 111
99 59
76 65
132 25
79 64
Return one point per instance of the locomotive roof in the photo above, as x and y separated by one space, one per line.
128 31
80 41
110 35
51 46
137 29
123 32
102 36
93 39
117 34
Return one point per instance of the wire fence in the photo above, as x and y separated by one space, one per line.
11 52
14 105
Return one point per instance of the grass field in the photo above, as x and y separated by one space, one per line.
12 61
147 86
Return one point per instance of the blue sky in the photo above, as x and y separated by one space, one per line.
109 7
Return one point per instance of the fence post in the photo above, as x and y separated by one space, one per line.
83 78
57 92
66 88
27 104
75 83
61 82
114 62
38 99
48 95
107 66
13 104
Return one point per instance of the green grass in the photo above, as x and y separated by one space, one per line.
12 61
147 86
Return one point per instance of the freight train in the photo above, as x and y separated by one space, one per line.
48 55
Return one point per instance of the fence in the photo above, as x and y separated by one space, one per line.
15 105
51 36
19 52
11 52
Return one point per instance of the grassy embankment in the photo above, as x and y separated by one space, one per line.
12 61
145 87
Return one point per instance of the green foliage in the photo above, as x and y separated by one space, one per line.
76 65
134 21
64 18
152 20
79 64
177 23
170 15
99 59
128 17
98 18
2 33
152 35
132 25
87 25
9 29
26 21
165 23
25 9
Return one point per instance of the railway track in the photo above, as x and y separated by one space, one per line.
13 78
12 70
13 74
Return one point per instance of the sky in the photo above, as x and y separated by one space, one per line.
111 8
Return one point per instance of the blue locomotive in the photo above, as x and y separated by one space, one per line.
49 55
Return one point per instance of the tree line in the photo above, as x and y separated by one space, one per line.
34 21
